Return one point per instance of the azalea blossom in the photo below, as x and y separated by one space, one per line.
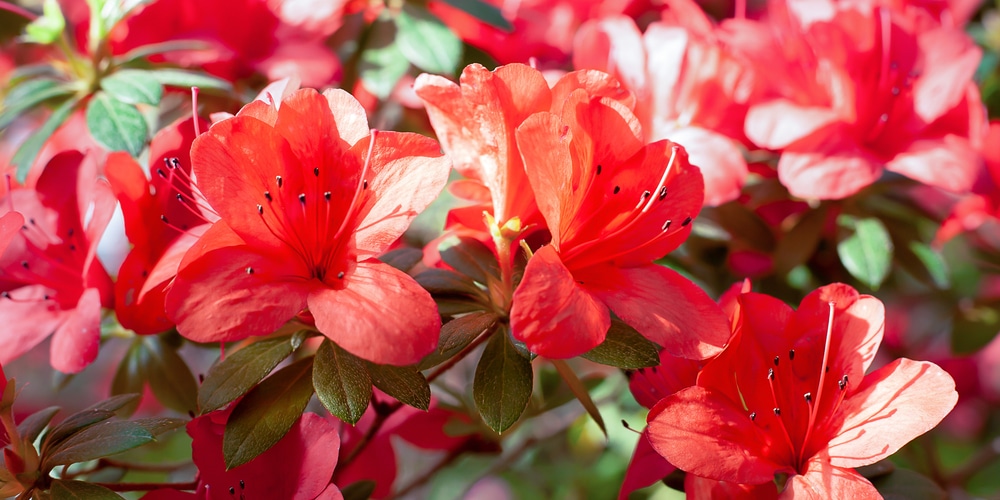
789 395
613 204
308 198
51 282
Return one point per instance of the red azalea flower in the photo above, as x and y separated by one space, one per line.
163 218
298 467
857 90
613 204
979 212
50 280
693 91
789 396
308 198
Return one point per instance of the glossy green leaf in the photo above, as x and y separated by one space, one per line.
470 257
31 426
485 12
48 27
28 95
79 490
403 259
89 416
426 41
133 86
382 63
96 441
445 282
580 391
502 384
240 371
267 412
933 262
404 383
866 250
28 151
624 347
130 378
159 425
169 377
359 490
457 334
186 79
161 48
116 125
342 382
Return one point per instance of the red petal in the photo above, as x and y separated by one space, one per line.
778 123
893 405
10 224
662 305
27 321
553 315
719 158
705 434
827 166
823 481
75 342
348 114
381 315
948 162
645 468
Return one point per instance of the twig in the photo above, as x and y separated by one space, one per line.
148 486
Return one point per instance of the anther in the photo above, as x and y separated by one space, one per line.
770 373
776 359
687 220
808 397
598 170
663 192
666 225
895 91
617 189
777 412
645 194
364 185
260 209
884 118
69 232
164 219
180 198
242 485
316 171
302 198
753 416
267 194
249 270
161 173
326 196
46 297
175 162
791 354
842 383
340 275
277 179
232 491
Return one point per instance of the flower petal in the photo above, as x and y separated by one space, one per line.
75 342
381 315
778 123
645 468
827 166
822 481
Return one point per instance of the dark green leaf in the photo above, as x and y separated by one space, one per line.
29 149
79 490
404 383
426 41
89 416
470 257
267 412
169 376
240 371
502 385
29 94
799 243
382 64
129 377
360 490
866 251
485 12
932 262
33 424
445 282
187 79
96 441
905 484
341 382
580 391
453 306
624 347
456 334
162 48
404 259
159 425
116 125
133 86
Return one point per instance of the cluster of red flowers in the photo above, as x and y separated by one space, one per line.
579 173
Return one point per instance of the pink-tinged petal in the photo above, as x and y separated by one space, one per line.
645 468
893 405
409 173
312 62
701 488
664 306
827 166
381 315
950 59
949 162
705 434
544 142
719 158
75 342
650 385
554 315
10 224
823 481
348 114
27 320
778 123
667 48
332 492
228 293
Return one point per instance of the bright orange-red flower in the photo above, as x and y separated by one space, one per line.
308 199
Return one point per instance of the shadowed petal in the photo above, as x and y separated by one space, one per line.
822 481
645 468
75 342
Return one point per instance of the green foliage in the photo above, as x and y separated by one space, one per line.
382 63
26 154
502 384
426 42
240 371
404 383
116 125
457 334
79 490
341 382
865 249
470 257
485 12
48 27
133 86
624 347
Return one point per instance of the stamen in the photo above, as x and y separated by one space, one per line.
260 209
814 409
777 412
666 225
316 171
340 275
278 179
753 416
617 189
687 220
267 195
598 170
791 354
663 193
776 359
808 397
249 270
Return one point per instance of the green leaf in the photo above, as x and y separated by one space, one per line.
905 484
403 259
161 48
426 41
502 384
240 371
115 125
866 251
267 412
404 383
360 490
799 243
485 12
169 377
130 378
470 257
87 417
29 94
96 441
187 79
341 381
624 347
159 425
458 333
445 282
933 262
26 154
33 424
382 64
48 27
133 86
580 391
79 490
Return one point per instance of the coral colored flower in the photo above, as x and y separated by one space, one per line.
163 217
51 282
298 467
612 204
979 212
308 199
692 91
858 90
789 395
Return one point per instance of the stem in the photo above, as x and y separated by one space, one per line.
452 455
443 367
382 413
148 486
